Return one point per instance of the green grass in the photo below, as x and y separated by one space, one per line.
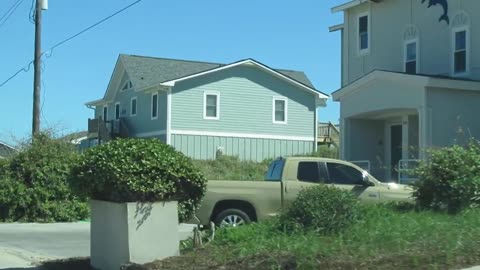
231 168
383 239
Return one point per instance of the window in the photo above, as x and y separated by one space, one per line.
133 106
308 171
279 110
211 106
411 57
275 170
154 106
127 86
117 111
344 175
460 54
105 113
363 36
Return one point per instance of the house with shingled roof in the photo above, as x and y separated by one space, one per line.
6 150
245 109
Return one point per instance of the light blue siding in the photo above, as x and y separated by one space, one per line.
246 100
205 147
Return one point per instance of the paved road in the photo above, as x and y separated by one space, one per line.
23 244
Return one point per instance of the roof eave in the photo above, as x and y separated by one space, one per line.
351 4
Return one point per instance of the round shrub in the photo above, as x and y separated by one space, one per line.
322 208
450 180
146 170
34 183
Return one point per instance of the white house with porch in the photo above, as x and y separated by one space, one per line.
410 79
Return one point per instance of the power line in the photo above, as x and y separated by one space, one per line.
48 53
10 12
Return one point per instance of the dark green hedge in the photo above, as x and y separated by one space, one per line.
131 170
34 184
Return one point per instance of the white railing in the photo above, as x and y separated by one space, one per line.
405 171
364 164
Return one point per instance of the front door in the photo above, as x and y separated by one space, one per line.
395 149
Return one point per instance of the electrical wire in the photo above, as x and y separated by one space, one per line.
48 53
10 12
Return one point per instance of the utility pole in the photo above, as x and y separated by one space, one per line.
37 62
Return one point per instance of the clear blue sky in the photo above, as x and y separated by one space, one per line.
280 33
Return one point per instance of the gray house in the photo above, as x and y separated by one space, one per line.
6 150
410 79
245 109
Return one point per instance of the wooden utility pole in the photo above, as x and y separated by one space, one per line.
37 68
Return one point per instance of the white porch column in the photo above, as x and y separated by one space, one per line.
424 130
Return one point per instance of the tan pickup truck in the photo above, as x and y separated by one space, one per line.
234 203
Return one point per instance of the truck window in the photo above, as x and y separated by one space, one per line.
308 171
275 170
342 174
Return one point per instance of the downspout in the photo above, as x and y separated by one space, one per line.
315 132
169 116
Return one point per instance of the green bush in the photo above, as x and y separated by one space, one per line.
34 185
232 168
322 208
450 179
147 170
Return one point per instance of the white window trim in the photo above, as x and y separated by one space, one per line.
286 110
151 106
405 44
119 111
455 30
369 27
210 93
131 106
105 116
129 83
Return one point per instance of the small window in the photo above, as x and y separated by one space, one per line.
105 113
133 106
411 57
211 106
154 106
117 111
460 52
363 38
127 86
342 174
308 172
279 110
275 170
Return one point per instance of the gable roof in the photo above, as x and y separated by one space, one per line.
145 72
6 150
351 4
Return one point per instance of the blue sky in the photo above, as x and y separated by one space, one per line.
279 33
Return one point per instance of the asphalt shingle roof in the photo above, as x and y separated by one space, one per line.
147 71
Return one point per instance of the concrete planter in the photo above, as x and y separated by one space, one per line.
137 232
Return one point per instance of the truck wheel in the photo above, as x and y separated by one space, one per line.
232 218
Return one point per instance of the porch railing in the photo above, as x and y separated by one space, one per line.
406 168
328 133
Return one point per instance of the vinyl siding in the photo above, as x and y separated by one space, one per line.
246 98
205 147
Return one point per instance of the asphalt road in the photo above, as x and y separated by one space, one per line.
24 244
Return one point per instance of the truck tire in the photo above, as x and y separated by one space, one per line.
232 218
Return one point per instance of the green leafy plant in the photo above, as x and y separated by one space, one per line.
147 170
34 183
323 209
450 179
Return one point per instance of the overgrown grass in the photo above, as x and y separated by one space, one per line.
384 238
232 168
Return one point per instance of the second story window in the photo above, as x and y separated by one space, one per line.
211 104
363 34
460 53
117 111
105 113
411 57
133 106
279 110
154 106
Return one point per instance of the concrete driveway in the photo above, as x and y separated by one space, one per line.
24 244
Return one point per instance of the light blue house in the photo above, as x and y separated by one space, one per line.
244 109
